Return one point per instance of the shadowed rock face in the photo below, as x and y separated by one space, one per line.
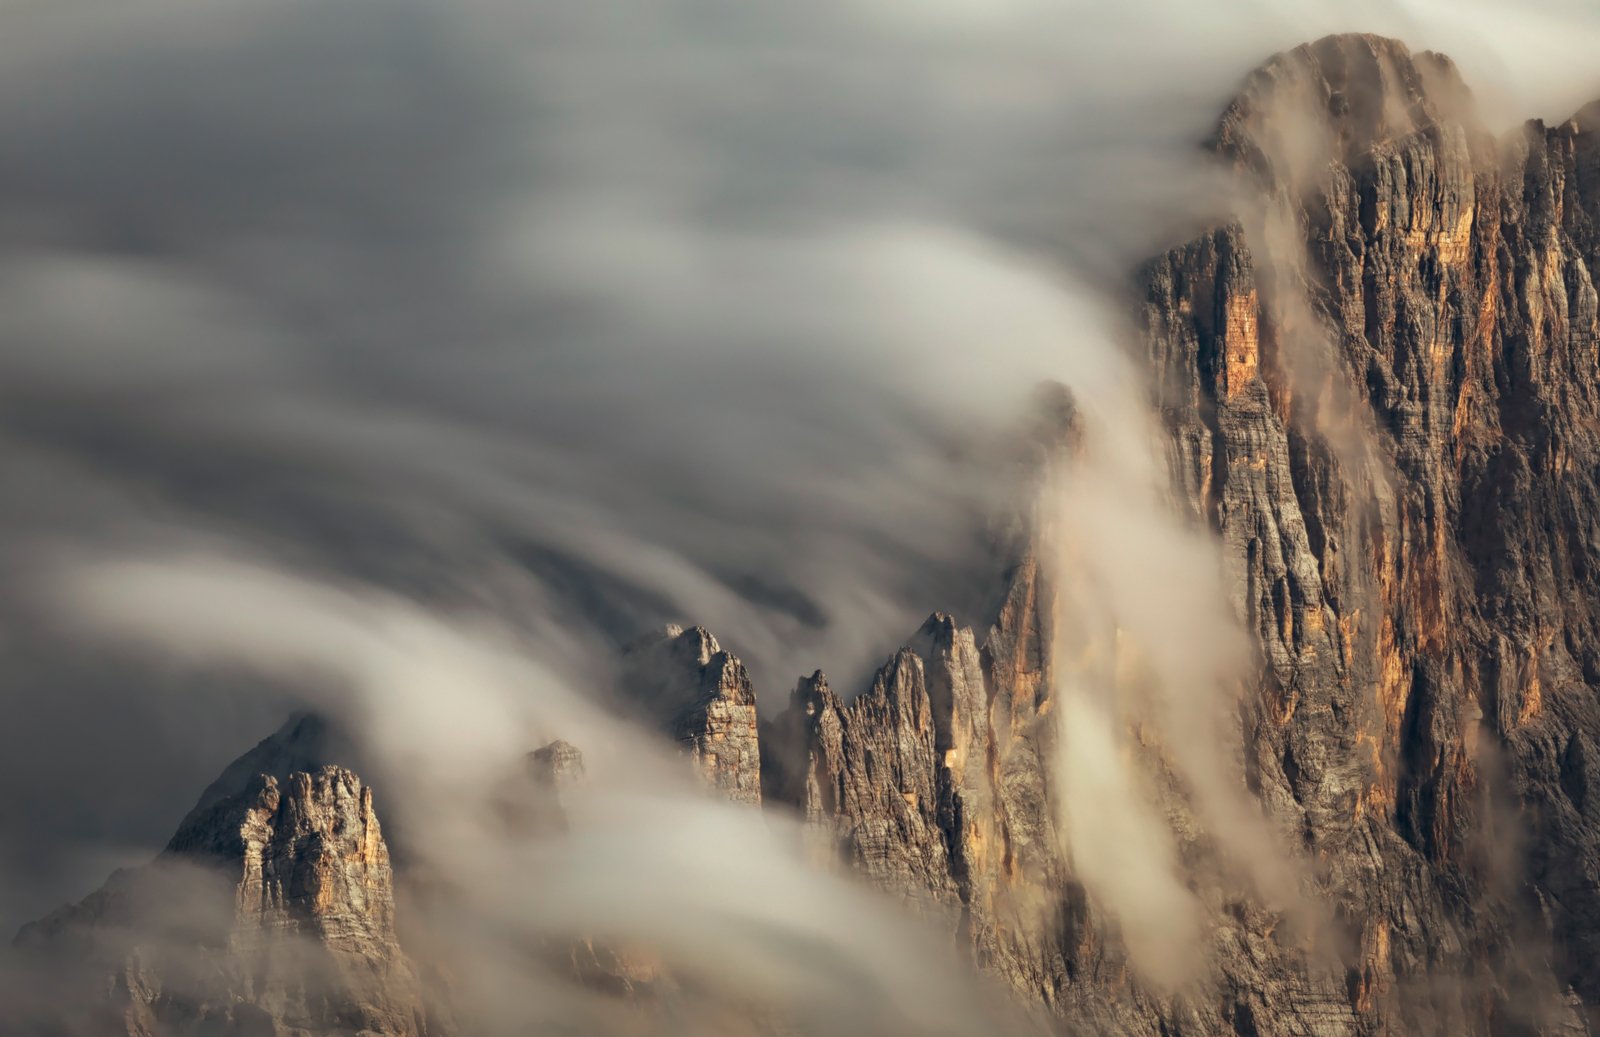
1380 388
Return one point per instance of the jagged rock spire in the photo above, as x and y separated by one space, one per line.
272 910
701 696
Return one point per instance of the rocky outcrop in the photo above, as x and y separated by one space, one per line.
869 777
933 785
272 911
686 685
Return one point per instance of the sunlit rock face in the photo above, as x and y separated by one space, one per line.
1379 386
272 911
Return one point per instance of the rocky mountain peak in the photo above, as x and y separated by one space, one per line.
271 910
812 694
531 802
695 642
684 682
1335 100
558 764
306 743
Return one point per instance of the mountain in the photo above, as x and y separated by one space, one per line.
271 911
1379 385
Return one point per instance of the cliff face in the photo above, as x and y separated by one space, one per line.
931 784
1379 391
1380 388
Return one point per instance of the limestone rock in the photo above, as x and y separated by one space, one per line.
702 697
272 911
1379 385
936 791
